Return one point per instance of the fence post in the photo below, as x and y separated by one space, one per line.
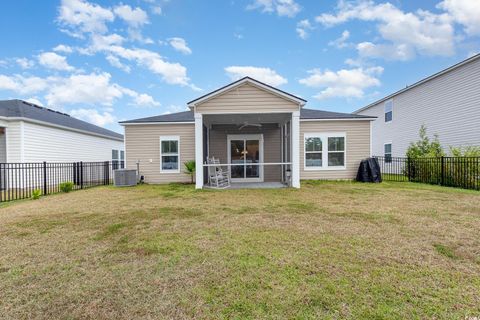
442 180
106 168
409 174
44 177
81 174
1 182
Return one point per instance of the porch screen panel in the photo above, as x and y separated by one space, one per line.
237 157
252 154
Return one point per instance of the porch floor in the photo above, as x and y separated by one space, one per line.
257 185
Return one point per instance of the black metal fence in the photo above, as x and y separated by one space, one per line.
19 180
459 172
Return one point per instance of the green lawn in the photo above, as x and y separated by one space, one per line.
333 250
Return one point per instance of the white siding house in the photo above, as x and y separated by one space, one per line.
447 103
29 133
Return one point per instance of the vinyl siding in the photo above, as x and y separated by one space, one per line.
448 105
14 141
271 145
44 143
357 146
142 143
3 148
247 98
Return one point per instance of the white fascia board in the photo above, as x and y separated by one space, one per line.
346 119
156 123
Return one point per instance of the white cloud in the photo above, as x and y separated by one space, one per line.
157 10
35 101
52 60
63 48
287 8
25 63
172 73
342 41
303 27
345 83
389 52
133 17
266 75
145 100
23 85
180 45
92 89
93 116
86 88
174 108
464 12
81 17
103 42
115 62
420 32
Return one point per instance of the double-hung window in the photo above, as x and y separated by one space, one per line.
387 152
388 110
169 154
114 155
336 151
118 159
324 151
115 158
313 152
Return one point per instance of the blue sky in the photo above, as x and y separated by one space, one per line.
107 61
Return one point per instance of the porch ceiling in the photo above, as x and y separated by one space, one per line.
237 119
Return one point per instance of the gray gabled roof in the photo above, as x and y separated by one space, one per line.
26 110
329 115
187 116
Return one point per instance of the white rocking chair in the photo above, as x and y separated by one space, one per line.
217 177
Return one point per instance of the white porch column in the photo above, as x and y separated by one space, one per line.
198 151
295 149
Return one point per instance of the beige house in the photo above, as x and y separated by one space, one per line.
261 134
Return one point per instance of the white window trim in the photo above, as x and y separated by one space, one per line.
324 136
385 112
170 138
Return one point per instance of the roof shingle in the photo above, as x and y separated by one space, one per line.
23 109
187 116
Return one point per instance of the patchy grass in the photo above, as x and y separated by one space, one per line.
334 250
445 250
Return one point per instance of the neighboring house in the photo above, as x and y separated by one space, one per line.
29 133
447 103
260 132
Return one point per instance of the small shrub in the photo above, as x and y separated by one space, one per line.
66 186
190 168
36 194
424 147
